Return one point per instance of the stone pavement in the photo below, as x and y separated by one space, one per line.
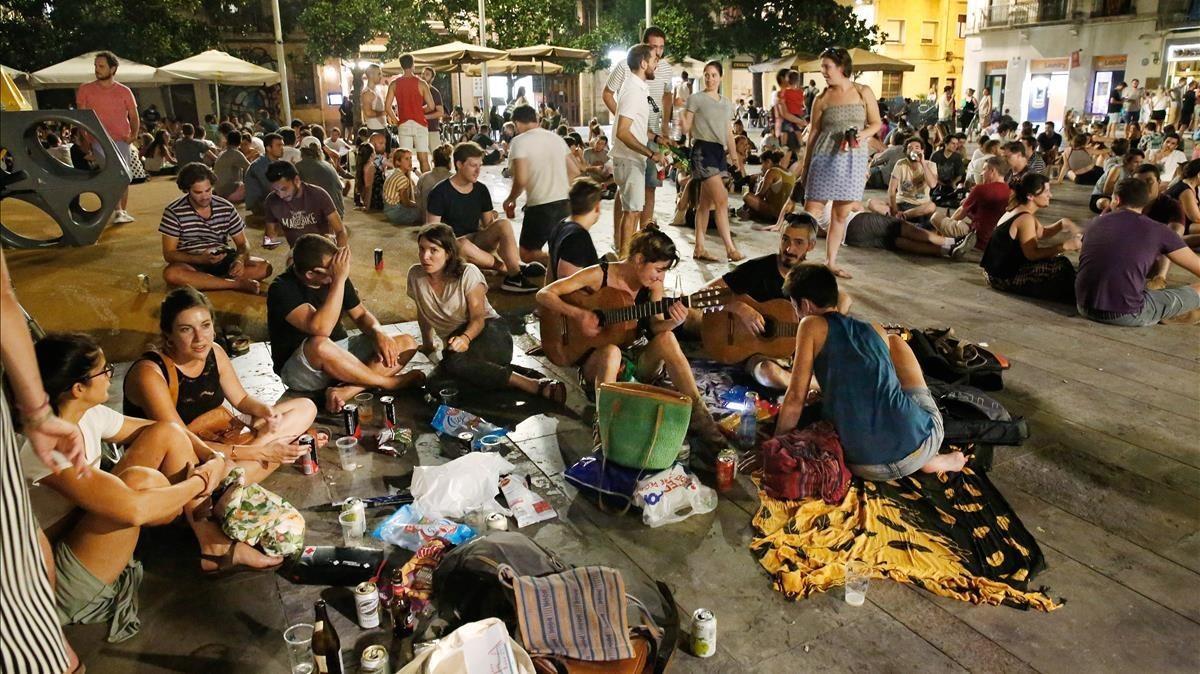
1109 483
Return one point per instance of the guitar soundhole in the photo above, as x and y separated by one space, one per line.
770 328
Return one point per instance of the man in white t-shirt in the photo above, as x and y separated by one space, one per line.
631 146
662 100
538 161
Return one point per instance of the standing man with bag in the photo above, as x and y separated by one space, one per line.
661 100
116 108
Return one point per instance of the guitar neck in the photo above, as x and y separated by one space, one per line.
637 312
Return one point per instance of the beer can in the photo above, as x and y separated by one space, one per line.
378 259
359 508
389 410
726 469
704 633
350 425
366 603
308 461
374 661
497 522
143 283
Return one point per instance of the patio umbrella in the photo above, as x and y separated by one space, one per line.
548 51
81 69
13 72
452 53
220 68
864 61
11 98
507 67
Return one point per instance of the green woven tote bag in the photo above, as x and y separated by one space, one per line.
642 426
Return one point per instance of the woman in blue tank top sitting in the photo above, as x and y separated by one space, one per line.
873 391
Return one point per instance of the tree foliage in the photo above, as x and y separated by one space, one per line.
769 29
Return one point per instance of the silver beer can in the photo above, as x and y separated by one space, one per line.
704 633
366 603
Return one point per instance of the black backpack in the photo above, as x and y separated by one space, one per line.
944 356
972 417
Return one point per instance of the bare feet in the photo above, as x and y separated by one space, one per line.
1190 318
839 272
700 255
945 463
410 379
336 397
735 255
243 556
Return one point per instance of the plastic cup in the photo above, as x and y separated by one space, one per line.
348 452
857 579
299 646
353 529
491 443
366 407
449 396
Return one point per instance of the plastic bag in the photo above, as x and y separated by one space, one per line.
409 528
672 495
606 481
465 484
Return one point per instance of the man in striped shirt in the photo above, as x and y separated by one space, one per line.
204 239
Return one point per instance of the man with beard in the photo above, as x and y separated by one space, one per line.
761 280
204 238
117 111
295 208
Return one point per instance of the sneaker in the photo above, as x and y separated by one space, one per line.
121 217
517 283
962 246
533 270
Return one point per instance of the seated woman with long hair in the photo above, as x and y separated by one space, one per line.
451 299
640 276
189 380
92 522
1016 262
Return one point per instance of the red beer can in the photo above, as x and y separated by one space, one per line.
389 410
350 424
726 469
378 259
308 461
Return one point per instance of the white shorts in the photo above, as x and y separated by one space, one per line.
435 140
413 136
630 176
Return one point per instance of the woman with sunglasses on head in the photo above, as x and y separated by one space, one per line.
845 116
707 120
92 519
191 378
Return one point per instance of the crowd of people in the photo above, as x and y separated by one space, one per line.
819 150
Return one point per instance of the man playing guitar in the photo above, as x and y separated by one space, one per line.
640 276
760 281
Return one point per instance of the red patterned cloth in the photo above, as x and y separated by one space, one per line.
804 464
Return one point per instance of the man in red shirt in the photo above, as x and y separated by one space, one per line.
116 108
413 102
982 208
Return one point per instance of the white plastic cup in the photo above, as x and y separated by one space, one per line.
857 579
353 528
299 646
348 452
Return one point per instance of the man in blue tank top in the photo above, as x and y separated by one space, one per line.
873 391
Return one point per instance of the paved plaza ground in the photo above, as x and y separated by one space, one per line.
1109 481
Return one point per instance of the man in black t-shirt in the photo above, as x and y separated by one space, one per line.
492 154
761 280
310 349
465 204
571 246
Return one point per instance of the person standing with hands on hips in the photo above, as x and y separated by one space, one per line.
630 150
844 117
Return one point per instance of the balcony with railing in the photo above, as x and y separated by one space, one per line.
1178 13
1002 14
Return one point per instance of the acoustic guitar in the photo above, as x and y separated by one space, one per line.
562 337
726 339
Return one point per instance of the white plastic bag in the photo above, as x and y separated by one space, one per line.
465 484
672 495
482 647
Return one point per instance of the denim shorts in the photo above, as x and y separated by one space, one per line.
920 456
298 375
1156 305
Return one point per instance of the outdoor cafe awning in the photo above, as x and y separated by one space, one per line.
82 68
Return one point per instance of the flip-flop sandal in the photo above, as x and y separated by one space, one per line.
704 258
556 389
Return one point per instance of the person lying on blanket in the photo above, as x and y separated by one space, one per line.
761 280
873 391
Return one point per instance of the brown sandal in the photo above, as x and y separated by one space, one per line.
227 567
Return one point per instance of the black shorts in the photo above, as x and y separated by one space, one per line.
1158 115
1092 202
539 223
220 269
